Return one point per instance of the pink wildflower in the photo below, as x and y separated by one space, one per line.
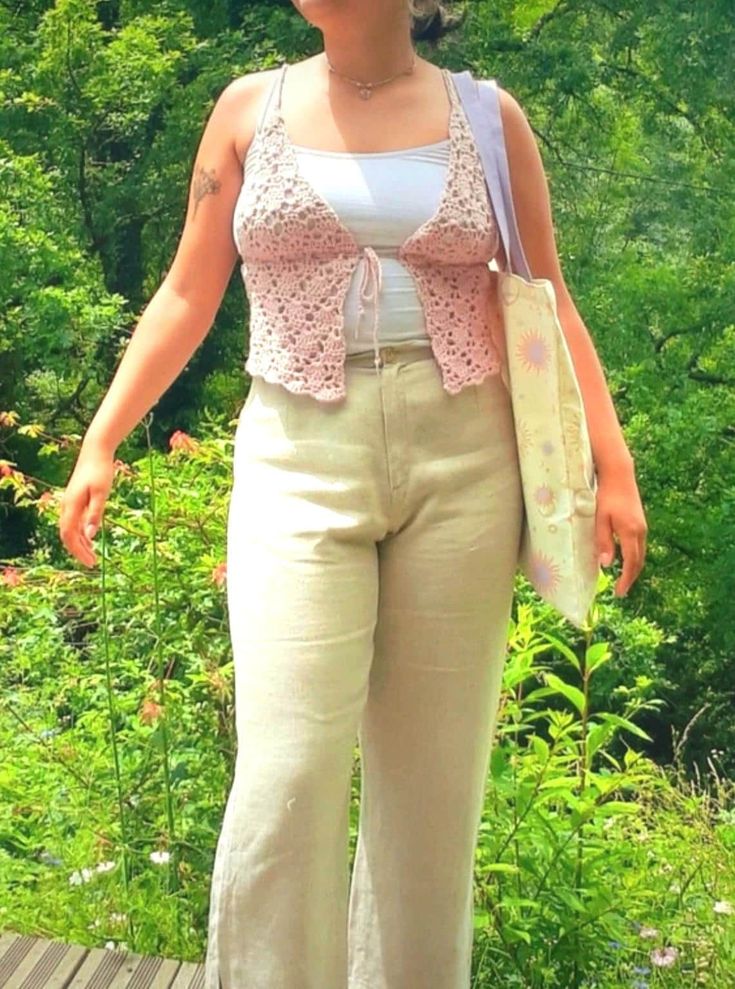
122 468
219 573
150 711
664 957
12 576
45 499
182 441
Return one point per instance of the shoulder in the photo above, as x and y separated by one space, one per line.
524 157
516 128
237 106
248 85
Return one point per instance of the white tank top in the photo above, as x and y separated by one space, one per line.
382 198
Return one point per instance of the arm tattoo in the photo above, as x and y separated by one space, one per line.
204 184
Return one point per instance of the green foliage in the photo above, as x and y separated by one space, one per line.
57 316
585 863
126 697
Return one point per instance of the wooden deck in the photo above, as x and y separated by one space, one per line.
34 963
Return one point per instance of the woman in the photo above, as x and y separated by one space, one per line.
376 510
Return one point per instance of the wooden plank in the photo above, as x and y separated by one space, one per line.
30 962
6 939
101 967
190 976
105 969
146 972
137 972
36 963
163 977
66 967
15 948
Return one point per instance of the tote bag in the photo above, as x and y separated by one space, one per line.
558 551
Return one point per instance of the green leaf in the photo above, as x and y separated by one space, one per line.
540 747
512 934
573 694
597 655
616 719
614 808
564 650
560 783
597 735
498 762
571 900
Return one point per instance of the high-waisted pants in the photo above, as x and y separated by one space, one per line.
371 550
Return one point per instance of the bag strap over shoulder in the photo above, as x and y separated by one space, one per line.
481 103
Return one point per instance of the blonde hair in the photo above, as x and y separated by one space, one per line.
431 20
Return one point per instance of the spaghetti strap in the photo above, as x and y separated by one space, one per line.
449 85
277 84
281 77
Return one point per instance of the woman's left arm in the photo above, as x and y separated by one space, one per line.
619 509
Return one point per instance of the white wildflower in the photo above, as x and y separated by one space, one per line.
48 859
80 876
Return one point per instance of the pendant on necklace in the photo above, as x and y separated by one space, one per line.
365 93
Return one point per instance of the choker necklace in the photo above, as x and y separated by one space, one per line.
366 88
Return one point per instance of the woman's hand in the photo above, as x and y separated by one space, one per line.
83 502
620 513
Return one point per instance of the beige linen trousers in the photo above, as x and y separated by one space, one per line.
372 546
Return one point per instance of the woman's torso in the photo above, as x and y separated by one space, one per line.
377 173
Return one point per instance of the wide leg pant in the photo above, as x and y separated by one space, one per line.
371 552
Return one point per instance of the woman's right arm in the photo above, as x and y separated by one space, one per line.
175 321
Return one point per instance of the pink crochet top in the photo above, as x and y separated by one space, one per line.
298 258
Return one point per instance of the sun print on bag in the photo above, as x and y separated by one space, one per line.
546 572
545 498
533 351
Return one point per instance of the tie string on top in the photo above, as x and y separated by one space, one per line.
371 273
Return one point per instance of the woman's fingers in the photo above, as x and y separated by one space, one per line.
633 549
74 503
93 517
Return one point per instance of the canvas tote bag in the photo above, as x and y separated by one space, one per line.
558 551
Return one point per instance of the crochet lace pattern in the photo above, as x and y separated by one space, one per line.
298 258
